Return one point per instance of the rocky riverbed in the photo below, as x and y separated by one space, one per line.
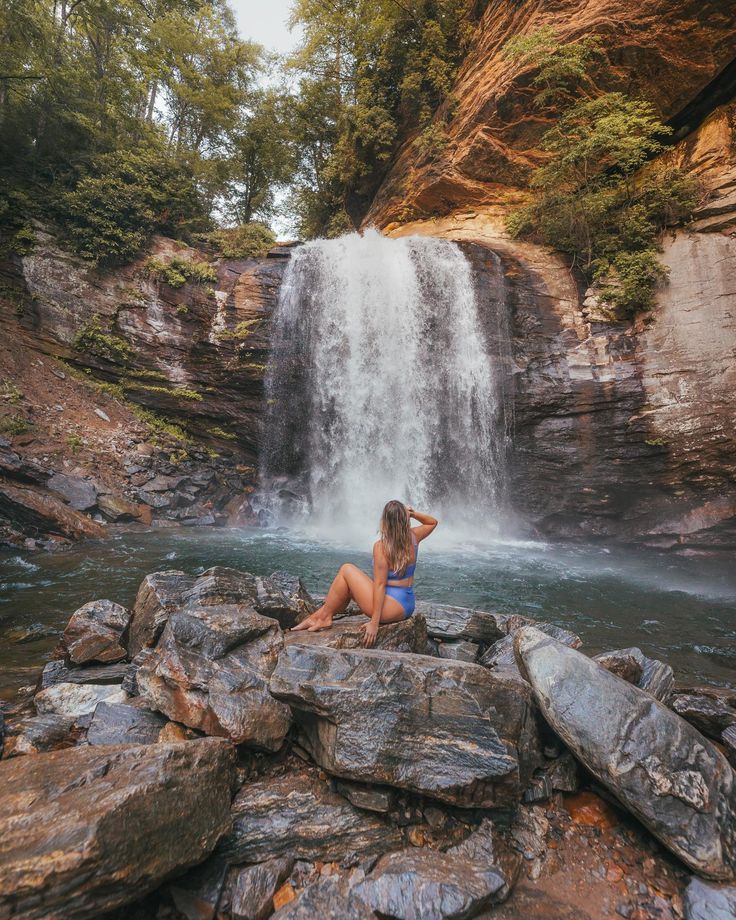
191 758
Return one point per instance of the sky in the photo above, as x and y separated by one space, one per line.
264 21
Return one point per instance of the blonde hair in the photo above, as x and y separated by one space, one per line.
396 536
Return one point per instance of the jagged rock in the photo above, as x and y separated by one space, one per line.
709 902
529 832
369 798
210 671
86 830
447 622
560 775
728 740
116 508
130 681
73 700
447 729
500 656
125 723
158 596
250 889
2 732
21 635
57 672
330 898
710 709
196 895
633 666
95 632
347 632
432 885
458 650
293 588
660 768
38 734
80 494
42 513
300 816
21 468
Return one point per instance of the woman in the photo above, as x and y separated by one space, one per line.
389 596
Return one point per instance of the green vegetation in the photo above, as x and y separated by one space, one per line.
177 271
245 242
145 374
94 341
176 392
242 330
595 197
14 425
10 392
74 443
221 433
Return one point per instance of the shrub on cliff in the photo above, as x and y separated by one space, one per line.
251 240
127 196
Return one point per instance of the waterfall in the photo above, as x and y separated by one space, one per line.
380 385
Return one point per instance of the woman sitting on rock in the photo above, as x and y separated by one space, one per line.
389 596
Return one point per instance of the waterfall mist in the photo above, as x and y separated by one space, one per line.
380 385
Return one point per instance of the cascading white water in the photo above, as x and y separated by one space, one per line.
380 386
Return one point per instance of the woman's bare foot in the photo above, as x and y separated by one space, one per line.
315 622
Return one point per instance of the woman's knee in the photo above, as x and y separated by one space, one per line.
347 568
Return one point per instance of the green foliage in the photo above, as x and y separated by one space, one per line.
177 271
221 433
432 140
175 392
74 443
93 340
248 241
10 392
14 425
596 197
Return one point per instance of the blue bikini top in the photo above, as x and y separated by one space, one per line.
409 573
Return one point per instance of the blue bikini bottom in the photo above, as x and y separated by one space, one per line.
405 596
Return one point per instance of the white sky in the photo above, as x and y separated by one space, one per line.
264 21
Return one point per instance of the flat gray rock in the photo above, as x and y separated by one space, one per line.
250 889
74 700
124 723
89 829
709 902
658 766
447 622
458 650
80 494
447 729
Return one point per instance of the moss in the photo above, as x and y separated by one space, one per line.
24 241
10 392
94 341
145 374
13 425
177 271
221 433
177 392
74 443
255 366
160 425
242 330
182 309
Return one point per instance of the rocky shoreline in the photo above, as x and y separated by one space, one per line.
189 758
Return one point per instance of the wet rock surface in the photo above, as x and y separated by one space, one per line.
95 633
447 729
447 622
347 632
649 674
711 710
124 818
674 780
37 734
74 700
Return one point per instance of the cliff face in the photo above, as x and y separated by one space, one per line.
96 369
666 52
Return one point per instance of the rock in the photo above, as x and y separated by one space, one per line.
447 622
158 596
710 709
728 740
660 768
210 671
90 829
39 513
125 723
21 635
196 895
295 590
57 672
500 657
130 680
95 632
458 650
632 665
347 632
329 898
100 413
709 902
38 734
560 775
2 732
116 508
250 889
73 700
529 832
299 816
369 798
446 729
80 494
427 884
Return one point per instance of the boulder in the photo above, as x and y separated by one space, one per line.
458 650
95 633
90 829
250 889
367 797
710 709
57 672
500 656
38 734
559 775
728 740
159 595
448 622
74 700
659 767
210 671
705 901
116 508
125 723
347 632
329 898
633 666
80 494
196 894
42 513
299 816
130 680
447 729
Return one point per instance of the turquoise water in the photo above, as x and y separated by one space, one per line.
682 610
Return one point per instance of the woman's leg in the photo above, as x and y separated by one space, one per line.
350 583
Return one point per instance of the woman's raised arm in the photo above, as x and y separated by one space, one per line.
427 522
